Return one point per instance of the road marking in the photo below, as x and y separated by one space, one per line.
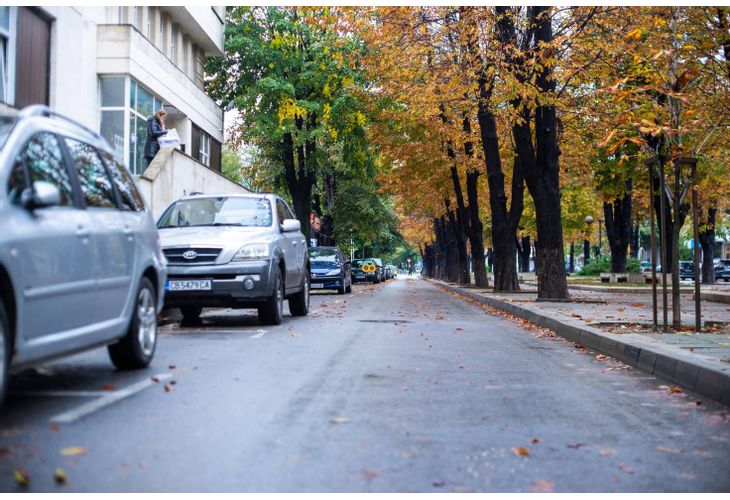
106 400
259 335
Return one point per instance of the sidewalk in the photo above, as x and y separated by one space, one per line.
619 325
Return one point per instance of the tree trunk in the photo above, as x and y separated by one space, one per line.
707 240
618 229
635 241
474 227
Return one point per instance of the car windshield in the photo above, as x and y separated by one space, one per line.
6 125
323 255
221 211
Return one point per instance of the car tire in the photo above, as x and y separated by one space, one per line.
137 348
272 312
299 302
191 313
4 351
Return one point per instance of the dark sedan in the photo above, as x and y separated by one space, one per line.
365 270
330 269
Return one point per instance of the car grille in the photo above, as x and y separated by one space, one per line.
204 255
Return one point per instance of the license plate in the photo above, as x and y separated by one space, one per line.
188 285
317 285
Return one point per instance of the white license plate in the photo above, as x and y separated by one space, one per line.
317 285
189 285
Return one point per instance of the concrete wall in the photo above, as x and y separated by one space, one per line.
173 174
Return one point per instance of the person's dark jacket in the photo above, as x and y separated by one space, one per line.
154 131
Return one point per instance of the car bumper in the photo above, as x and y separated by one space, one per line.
319 282
227 284
363 277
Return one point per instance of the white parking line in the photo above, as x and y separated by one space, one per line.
106 400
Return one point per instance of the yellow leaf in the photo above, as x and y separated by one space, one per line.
73 451
21 477
60 476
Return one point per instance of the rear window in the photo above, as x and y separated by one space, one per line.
221 211
323 255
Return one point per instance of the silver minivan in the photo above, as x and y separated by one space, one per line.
80 260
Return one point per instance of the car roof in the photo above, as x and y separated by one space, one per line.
199 196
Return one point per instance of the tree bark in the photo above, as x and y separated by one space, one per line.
618 229
523 251
460 273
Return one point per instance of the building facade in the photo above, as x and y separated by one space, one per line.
112 67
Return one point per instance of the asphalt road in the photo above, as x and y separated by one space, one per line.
398 387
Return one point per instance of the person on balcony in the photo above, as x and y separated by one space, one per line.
155 130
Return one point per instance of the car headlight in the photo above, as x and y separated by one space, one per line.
333 272
252 251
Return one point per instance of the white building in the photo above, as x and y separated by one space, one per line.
113 67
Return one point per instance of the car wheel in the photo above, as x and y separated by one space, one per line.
272 311
137 347
299 302
191 313
4 351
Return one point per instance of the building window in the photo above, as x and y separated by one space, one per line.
199 61
4 53
33 42
204 149
173 44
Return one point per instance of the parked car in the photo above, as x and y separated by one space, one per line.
80 263
645 267
239 251
394 270
330 269
365 270
381 268
722 270
686 270
388 272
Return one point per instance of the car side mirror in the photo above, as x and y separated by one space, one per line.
43 194
291 225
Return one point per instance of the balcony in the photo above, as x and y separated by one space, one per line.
121 49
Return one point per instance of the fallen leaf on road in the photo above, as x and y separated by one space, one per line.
521 451
669 450
54 427
674 390
169 388
339 420
408 454
5 451
605 452
11 431
60 476
542 486
154 379
74 451
701 453
620 309
21 477
440 317
459 329
172 367
439 483
577 446
369 475
626 468
107 387
535 440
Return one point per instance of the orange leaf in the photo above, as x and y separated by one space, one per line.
521 451
74 451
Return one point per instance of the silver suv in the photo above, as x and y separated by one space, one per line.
80 263
235 251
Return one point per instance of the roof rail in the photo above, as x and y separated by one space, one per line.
43 110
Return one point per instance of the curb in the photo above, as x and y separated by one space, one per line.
723 298
708 377
624 289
